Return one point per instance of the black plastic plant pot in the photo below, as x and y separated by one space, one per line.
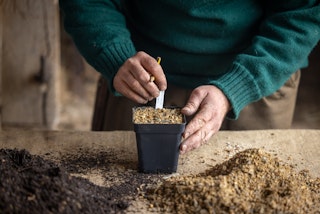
158 146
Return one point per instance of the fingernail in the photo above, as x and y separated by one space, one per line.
186 109
163 88
186 135
184 148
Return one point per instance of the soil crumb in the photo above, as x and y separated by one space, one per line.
31 184
252 181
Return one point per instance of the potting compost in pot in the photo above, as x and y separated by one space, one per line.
150 115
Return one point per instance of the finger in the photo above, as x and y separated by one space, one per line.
126 85
138 87
150 87
199 129
154 68
134 66
194 102
194 125
196 140
136 78
132 95
140 74
203 117
194 133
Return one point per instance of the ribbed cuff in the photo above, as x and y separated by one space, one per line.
111 59
240 88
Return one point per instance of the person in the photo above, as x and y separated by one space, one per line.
228 64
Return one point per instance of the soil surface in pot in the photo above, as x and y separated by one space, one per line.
150 115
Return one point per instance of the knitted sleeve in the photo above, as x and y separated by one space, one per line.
286 37
99 31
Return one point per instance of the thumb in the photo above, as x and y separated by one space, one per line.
189 109
192 105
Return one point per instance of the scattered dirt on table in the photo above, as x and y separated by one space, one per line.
31 184
150 115
83 160
252 181
122 178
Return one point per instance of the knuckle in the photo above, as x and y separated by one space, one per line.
196 145
130 62
154 93
150 61
191 105
135 84
140 54
143 76
192 126
197 91
201 122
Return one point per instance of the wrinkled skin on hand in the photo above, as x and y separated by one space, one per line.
207 103
209 106
133 78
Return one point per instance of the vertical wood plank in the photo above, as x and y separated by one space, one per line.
1 27
31 63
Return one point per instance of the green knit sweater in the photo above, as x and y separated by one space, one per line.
247 48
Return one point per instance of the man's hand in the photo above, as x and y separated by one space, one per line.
210 106
133 78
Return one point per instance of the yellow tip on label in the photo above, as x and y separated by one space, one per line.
152 78
158 60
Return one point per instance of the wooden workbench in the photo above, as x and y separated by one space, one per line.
298 147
